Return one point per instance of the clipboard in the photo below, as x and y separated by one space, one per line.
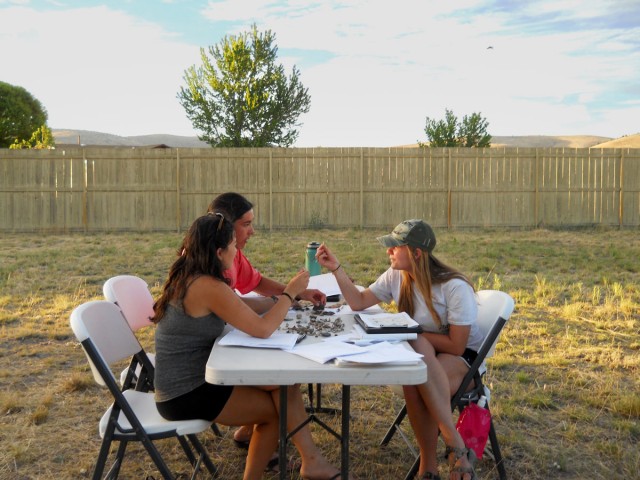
391 327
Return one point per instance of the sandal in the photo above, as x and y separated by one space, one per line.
292 465
459 453
430 476
243 444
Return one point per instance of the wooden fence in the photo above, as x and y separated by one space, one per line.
123 189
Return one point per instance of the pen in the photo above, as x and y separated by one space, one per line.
364 343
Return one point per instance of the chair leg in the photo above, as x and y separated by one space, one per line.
115 469
394 426
157 458
187 449
318 408
216 430
497 455
102 456
413 471
197 445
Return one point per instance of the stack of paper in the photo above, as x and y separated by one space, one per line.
348 353
237 338
322 352
384 353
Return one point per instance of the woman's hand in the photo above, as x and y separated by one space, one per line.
298 284
327 259
314 296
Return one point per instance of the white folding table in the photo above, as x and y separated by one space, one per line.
261 366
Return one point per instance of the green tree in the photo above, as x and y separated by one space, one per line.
473 131
40 139
449 132
240 97
21 114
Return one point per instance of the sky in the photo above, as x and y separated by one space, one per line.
374 69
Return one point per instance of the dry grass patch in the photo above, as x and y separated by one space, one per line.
565 379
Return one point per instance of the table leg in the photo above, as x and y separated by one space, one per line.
344 440
282 443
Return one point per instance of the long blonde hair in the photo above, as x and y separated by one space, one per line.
427 270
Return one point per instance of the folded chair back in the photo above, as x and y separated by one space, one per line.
132 295
491 305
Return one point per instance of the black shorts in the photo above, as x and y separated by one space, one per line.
469 356
205 402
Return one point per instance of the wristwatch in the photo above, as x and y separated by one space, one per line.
274 298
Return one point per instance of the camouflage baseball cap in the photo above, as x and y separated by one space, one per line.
415 233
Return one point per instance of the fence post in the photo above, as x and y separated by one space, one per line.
270 190
178 216
361 187
85 199
621 200
536 199
449 189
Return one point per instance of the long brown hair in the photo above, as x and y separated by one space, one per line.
197 256
427 270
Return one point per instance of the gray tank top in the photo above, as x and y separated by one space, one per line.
183 345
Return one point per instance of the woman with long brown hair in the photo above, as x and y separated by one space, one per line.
195 304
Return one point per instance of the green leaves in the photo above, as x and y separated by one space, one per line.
21 115
472 132
240 97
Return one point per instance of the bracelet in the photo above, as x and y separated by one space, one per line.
288 296
336 269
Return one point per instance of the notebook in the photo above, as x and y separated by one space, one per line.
387 323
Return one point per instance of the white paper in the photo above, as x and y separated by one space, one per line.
372 310
237 338
322 352
384 353
326 283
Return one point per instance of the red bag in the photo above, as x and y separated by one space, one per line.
473 425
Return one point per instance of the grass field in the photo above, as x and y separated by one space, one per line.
565 379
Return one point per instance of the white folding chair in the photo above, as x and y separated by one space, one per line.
494 309
106 339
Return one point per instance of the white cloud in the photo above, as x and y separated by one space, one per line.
98 69
374 70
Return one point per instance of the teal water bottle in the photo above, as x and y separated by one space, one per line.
310 262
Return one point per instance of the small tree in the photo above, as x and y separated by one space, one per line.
472 132
240 97
21 114
42 138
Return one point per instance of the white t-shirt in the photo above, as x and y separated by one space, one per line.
454 301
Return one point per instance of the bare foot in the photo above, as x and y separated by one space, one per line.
320 471
242 436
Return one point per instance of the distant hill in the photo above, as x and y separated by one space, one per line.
89 138
547 141
628 141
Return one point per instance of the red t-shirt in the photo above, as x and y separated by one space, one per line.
243 276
